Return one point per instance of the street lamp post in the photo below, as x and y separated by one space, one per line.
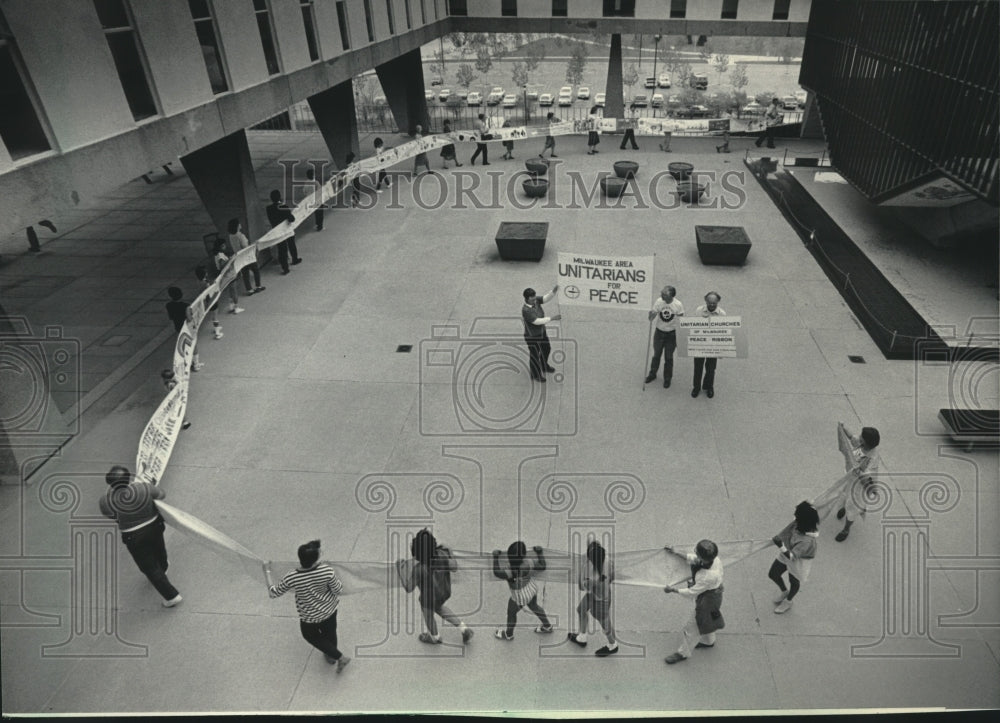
524 88
656 82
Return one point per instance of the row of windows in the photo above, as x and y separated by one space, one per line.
622 9
21 127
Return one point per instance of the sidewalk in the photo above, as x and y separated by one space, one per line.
308 422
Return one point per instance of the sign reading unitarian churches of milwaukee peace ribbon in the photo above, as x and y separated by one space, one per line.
621 282
712 336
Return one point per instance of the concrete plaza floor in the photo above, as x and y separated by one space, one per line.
307 422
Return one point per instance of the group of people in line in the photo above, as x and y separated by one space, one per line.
317 587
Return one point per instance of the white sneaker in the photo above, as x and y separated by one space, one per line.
173 602
780 597
217 335
197 367
783 607
237 310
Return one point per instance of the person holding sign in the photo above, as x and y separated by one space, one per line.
535 335
866 460
701 364
705 586
665 310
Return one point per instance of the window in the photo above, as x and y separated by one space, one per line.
345 30
560 8
678 8
309 22
20 126
508 8
619 8
129 61
369 21
409 19
435 4
455 7
392 20
423 13
781 9
266 36
729 8
204 26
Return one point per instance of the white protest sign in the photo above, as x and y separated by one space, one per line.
717 337
622 282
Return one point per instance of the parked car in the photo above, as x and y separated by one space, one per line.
533 93
657 100
664 80
698 82
639 101
545 99
599 99
753 108
801 96
509 100
429 94
583 92
650 82
694 111
436 80
789 102
474 98
566 95
443 94
463 93
495 96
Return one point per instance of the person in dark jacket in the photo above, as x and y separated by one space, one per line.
278 213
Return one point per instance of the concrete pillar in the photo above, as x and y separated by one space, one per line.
613 106
223 175
812 124
402 80
335 115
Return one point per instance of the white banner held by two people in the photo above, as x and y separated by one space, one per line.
621 282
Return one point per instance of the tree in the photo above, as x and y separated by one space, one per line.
455 105
705 54
765 97
437 65
739 78
519 74
721 63
630 77
535 55
483 60
465 75
576 65
684 73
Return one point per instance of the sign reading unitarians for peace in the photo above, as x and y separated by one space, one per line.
718 337
621 282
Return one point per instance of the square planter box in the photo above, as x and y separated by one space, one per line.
722 244
522 241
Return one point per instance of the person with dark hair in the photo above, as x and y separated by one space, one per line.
550 141
705 586
596 574
448 151
593 137
317 596
133 506
220 258
201 273
517 573
797 545
382 175
630 122
701 364
484 135
535 336
508 146
318 215
866 462
430 571
665 310
277 214
237 242
355 182
772 117
421 158
178 310
169 382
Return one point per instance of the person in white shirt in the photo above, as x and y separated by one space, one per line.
665 310
701 364
866 462
705 586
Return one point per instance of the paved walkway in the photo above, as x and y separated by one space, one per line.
307 422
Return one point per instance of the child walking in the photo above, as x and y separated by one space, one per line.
596 576
430 571
797 545
517 573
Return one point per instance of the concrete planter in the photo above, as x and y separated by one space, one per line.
535 187
626 169
680 171
536 166
690 191
613 187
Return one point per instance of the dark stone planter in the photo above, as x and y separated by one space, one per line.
535 187
680 171
690 191
536 166
722 244
626 169
613 187
521 241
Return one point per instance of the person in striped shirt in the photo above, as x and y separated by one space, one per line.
516 570
317 594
